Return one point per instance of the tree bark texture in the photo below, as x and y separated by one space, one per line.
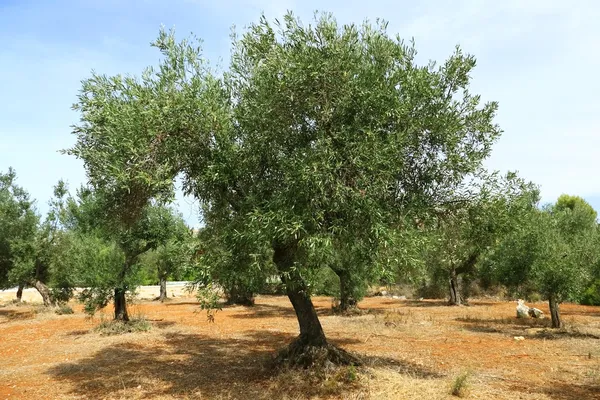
455 299
44 292
311 331
20 292
555 312
120 305
163 289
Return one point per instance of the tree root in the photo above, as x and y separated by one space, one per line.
302 355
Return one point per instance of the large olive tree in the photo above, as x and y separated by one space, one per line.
313 134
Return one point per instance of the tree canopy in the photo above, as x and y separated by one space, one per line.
552 250
315 133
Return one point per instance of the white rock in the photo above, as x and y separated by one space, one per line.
522 309
536 313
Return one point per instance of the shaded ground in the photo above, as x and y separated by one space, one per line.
413 350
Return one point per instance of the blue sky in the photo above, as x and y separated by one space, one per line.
537 58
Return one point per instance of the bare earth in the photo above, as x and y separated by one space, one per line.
412 350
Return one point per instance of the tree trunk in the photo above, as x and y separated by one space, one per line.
44 292
455 299
311 332
347 300
163 289
120 305
555 312
20 292
238 294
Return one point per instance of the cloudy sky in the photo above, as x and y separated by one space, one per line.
537 58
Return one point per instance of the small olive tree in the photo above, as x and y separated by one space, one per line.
115 273
465 231
18 232
552 250
173 257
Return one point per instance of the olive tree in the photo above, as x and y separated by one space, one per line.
467 229
552 250
172 257
18 231
313 134
115 273
240 269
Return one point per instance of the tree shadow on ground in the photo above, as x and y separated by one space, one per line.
201 366
564 390
16 315
273 311
402 367
530 327
181 303
585 313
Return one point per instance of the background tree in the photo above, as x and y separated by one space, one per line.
172 258
240 269
18 230
29 246
552 251
312 134
467 229
90 217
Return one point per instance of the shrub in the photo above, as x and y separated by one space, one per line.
591 295
460 385
64 310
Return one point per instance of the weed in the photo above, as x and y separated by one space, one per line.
64 310
460 386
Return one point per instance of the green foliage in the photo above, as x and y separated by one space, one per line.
324 282
172 258
460 385
318 138
468 227
241 269
64 310
551 251
104 255
591 295
18 231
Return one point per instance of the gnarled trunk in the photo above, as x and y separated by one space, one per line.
163 289
555 312
20 292
455 299
120 305
44 292
311 332
311 347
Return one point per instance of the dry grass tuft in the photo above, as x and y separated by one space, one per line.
328 382
460 385
111 327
